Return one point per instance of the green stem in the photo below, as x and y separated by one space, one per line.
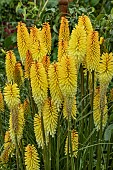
91 125
44 145
102 105
49 153
32 104
2 133
69 109
18 159
58 145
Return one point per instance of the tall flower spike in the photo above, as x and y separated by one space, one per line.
74 141
50 117
38 131
10 65
46 62
106 68
46 35
85 21
28 63
23 40
31 158
63 38
64 30
38 83
93 51
16 123
62 49
67 75
55 91
38 48
77 44
26 106
18 74
11 95
97 110
1 102
8 147
73 109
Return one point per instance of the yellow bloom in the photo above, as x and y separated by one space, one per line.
73 109
26 106
11 95
28 62
46 35
63 38
31 158
55 91
67 75
97 110
77 44
10 65
16 123
74 141
93 51
64 30
50 117
38 83
101 40
46 62
18 74
106 68
38 48
1 102
8 148
85 21
62 49
23 40
38 131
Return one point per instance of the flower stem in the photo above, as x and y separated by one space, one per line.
91 125
58 145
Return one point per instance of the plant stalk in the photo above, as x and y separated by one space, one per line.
91 125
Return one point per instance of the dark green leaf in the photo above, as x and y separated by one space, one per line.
108 131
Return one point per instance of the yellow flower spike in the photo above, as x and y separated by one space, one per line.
28 63
50 117
67 75
62 49
74 141
4 156
38 131
16 123
38 83
77 44
93 51
46 36
8 148
1 102
23 40
10 65
11 95
97 110
55 91
26 106
63 38
85 21
38 48
101 40
32 161
73 109
18 74
64 30
46 62
106 68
